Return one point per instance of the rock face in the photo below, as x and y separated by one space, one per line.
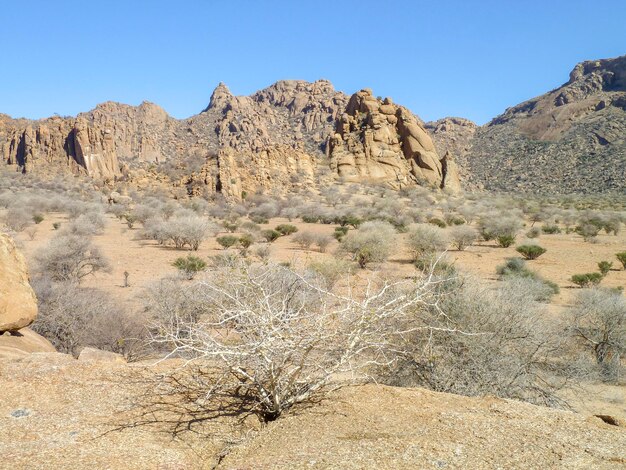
571 139
18 305
376 140
276 139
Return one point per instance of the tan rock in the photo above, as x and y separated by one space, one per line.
98 355
18 305
22 342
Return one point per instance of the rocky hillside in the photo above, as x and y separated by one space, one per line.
572 139
277 138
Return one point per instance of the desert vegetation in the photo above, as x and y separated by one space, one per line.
278 300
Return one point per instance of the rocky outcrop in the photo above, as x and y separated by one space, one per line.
18 304
276 139
376 140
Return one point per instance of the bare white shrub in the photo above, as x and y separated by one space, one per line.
280 339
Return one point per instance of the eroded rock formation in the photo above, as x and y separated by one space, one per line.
377 140
275 139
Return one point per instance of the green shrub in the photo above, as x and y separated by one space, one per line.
270 235
230 226
310 219
340 232
505 241
259 219
130 220
533 233
56 225
516 268
286 229
604 267
37 218
622 258
351 220
189 266
530 251
551 229
437 221
227 241
587 279
246 240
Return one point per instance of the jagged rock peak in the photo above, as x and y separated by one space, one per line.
611 71
220 98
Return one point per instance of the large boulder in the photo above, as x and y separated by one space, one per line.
18 304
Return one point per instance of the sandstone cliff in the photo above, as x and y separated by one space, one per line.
275 139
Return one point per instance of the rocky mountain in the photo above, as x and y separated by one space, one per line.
571 139
280 138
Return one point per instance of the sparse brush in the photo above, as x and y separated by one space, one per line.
604 267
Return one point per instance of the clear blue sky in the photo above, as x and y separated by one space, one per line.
438 58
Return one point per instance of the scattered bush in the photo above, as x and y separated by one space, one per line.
530 252
227 241
533 233
331 270
340 232
38 218
189 266
270 235
587 279
425 238
371 243
437 222
56 225
304 239
589 232
621 257
550 229
516 268
70 258
604 267
286 229
598 322
463 236
322 241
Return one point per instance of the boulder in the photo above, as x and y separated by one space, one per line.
17 344
98 355
18 304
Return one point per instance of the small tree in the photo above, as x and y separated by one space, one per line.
189 266
227 241
530 252
621 257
